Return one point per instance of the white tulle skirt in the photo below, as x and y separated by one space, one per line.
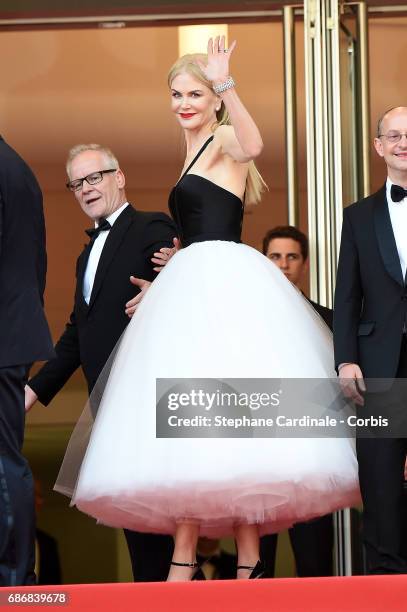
217 310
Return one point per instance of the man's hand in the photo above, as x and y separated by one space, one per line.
164 255
30 398
144 286
352 383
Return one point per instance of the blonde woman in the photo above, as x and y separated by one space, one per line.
218 310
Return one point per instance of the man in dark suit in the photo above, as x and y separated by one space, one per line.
47 563
24 338
288 247
121 246
370 337
312 542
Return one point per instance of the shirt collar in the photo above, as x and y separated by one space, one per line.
112 218
389 183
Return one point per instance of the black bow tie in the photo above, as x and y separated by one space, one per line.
104 226
398 193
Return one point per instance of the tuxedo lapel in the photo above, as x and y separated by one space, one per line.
112 243
385 237
80 273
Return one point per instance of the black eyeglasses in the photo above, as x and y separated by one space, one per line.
91 179
393 137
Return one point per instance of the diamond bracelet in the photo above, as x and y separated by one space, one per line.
228 84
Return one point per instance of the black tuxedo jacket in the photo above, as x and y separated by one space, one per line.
93 330
371 295
324 312
24 333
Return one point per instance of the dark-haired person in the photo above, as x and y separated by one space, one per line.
24 338
288 247
312 542
370 327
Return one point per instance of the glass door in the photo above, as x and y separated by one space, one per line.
337 154
337 128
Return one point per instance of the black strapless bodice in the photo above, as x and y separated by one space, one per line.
203 210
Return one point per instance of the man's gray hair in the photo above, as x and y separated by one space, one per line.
81 148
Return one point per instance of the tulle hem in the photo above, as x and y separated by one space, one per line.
218 510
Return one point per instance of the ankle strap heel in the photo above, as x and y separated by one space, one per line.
257 571
192 565
198 575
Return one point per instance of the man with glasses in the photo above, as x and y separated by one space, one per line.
121 247
370 327
24 338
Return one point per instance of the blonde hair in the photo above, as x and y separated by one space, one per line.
255 184
81 148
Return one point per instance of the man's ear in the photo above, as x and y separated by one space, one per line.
378 145
120 179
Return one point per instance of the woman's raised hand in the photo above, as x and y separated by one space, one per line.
217 68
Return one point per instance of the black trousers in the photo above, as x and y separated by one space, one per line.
312 544
381 474
17 515
150 555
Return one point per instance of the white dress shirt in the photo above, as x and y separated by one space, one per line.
97 248
398 218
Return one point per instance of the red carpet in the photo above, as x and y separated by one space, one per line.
353 594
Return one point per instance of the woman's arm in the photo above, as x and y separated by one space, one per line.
242 141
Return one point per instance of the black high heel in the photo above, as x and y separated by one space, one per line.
198 575
258 570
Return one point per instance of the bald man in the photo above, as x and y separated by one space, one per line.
370 338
